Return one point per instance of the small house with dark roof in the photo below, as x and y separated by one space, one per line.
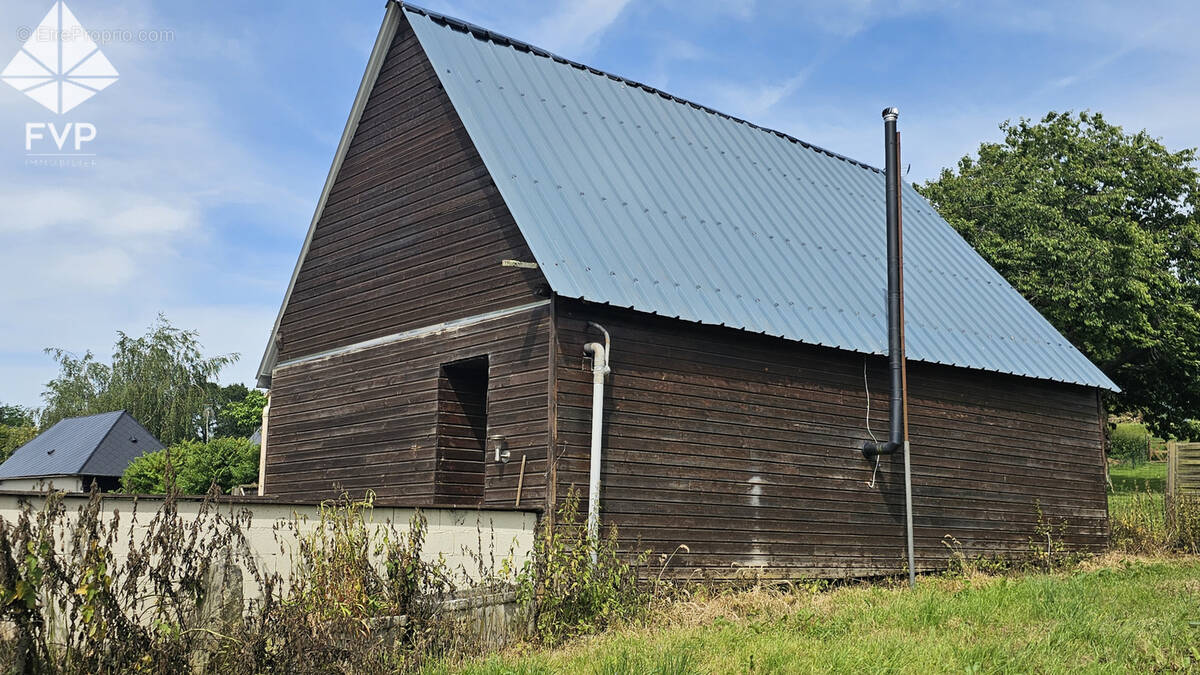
77 452
504 233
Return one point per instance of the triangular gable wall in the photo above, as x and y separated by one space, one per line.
410 229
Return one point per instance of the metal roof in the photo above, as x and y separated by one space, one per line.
96 445
635 198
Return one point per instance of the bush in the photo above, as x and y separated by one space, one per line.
1130 443
193 467
566 591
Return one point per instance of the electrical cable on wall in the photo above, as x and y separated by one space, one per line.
867 388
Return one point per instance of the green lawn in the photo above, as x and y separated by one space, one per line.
1137 494
1150 476
1118 616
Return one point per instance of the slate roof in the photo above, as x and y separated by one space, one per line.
631 197
96 445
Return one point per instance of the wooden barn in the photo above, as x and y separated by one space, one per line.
496 217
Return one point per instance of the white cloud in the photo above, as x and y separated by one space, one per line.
753 102
846 18
150 217
87 251
669 51
575 26
28 210
712 10
106 269
117 214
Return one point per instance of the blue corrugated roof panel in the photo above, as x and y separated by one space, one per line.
96 445
631 197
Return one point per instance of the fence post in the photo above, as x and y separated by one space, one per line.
1172 461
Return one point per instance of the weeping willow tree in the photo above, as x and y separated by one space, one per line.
160 378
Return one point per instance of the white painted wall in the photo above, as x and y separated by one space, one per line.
451 533
64 483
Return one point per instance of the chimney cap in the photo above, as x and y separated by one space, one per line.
891 113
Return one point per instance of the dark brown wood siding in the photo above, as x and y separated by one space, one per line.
747 449
368 420
414 229
412 235
462 431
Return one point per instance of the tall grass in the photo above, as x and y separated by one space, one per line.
1138 523
358 599
1142 521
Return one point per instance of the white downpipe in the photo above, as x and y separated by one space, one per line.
912 570
262 448
600 357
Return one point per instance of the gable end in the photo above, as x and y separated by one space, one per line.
410 230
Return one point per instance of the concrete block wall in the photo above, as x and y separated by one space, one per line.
464 537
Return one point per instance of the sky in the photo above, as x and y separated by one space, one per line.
212 146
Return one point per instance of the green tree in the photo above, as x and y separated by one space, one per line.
160 378
15 416
237 409
14 437
16 429
1098 229
196 466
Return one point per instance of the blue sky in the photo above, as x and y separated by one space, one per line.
212 147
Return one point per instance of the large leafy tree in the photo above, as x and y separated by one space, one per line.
1098 229
161 378
236 409
16 429
15 416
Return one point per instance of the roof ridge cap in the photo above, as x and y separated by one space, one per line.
485 33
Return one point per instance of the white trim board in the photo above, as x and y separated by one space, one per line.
424 331
383 42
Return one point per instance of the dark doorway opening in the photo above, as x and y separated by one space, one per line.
462 431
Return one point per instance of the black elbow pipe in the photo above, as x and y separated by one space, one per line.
895 291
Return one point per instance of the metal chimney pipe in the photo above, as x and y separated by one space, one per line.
897 422
898 410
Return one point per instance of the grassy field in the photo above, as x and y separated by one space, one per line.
1113 614
1149 476
1137 494
1110 615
